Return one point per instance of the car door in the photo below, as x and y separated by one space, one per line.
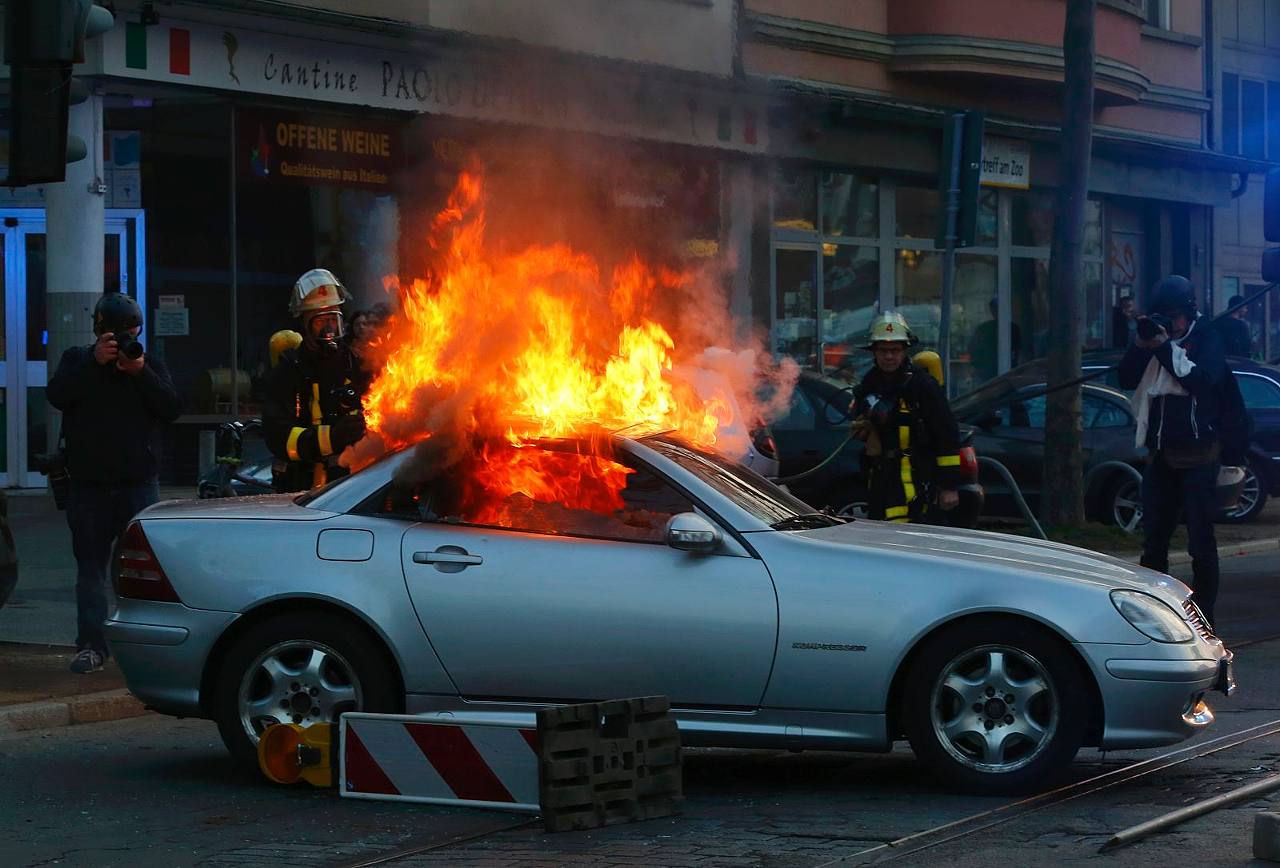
1013 434
563 605
1262 401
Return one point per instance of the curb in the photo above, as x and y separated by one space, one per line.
84 708
1227 551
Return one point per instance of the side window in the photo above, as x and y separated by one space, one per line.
800 414
562 493
1259 393
1028 413
1101 413
835 405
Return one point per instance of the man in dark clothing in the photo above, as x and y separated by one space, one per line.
114 400
1177 370
1237 339
312 411
912 454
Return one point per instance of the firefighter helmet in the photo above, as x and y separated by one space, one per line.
319 289
890 326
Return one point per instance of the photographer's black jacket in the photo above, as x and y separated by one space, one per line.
304 396
1180 421
112 420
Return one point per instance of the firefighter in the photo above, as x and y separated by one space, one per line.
912 453
312 408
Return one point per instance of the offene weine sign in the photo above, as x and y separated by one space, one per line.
483 87
1005 163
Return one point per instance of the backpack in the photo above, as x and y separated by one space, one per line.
1235 429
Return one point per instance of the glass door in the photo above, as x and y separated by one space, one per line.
24 335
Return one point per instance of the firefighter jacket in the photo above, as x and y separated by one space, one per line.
311 411
919 448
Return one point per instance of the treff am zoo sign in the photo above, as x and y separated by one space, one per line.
482 87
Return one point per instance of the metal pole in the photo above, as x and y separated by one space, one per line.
1173 818
949 252
235 318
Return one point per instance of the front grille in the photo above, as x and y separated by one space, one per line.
1197 619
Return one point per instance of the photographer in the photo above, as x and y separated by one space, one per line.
912 453
114 400
312 410
1178 371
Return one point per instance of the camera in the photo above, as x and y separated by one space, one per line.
129 346
1149 326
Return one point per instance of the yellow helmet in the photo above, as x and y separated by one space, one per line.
285 339
889 326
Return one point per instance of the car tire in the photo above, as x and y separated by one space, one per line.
1253 498
303 668
1122 504
958 692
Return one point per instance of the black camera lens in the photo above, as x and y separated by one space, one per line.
131 348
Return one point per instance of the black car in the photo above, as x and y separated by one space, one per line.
815 426
1009 415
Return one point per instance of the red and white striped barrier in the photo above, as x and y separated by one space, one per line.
442 761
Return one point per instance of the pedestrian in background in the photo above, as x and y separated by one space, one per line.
1237 338
1178 372
1124 319
115 400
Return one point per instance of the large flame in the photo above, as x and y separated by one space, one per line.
522 347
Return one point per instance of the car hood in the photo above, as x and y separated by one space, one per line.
263 506
1001 551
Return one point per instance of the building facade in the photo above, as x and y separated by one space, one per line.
242 143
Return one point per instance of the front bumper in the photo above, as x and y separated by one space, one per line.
161 648
1156 701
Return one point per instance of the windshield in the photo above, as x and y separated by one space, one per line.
746 488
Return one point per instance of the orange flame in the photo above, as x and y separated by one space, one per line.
528 346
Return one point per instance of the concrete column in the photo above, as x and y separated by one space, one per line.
75 220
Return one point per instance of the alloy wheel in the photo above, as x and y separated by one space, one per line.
299 681
855 509
1249 494
1126 506
994 708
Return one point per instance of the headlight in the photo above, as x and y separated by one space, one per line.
1150 617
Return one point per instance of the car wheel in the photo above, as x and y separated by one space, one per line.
995 706
1124 505
298 668
853 509
1253 497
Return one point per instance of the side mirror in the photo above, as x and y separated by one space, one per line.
690 532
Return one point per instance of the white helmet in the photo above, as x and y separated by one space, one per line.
318 289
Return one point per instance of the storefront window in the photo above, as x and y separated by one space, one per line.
850 205
917 212
987 234
850 293
1029 294
795 326
795 200
1031 218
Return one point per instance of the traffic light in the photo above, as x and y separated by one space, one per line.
970 167
43 39
1271 227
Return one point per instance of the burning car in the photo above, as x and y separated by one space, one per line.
766 624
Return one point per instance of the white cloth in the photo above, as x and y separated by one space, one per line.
1156 380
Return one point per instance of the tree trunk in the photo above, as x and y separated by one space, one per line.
1062 494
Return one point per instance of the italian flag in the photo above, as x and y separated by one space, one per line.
135 48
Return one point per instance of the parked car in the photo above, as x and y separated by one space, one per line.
767 625
815 426
1011 430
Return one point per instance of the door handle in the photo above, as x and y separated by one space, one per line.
444 556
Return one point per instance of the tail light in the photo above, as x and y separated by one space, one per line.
968 463
136 573
763 440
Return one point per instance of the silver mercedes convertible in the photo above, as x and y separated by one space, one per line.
766 624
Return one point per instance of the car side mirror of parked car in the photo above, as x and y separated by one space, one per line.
690 532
